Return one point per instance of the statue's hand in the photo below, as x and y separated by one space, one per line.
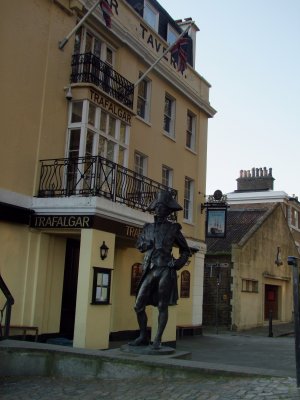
176 264
146 246
173 263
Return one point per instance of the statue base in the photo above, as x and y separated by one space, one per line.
148 350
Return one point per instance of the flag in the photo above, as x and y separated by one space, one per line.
177 50
107 12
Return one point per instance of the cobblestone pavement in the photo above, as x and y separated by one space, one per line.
202 388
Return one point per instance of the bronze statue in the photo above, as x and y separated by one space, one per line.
158 285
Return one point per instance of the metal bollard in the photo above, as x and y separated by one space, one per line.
270 323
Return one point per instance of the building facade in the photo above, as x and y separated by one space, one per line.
246 273
246 280
85 147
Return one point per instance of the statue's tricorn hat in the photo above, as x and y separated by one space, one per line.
166 198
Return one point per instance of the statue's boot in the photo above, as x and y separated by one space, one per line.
156 345
141 340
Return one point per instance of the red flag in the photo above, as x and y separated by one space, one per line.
178 50
107 12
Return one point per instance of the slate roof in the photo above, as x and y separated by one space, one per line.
240 222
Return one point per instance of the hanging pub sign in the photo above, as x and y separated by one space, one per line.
216 215
216 222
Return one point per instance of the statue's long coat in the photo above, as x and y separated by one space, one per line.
157 241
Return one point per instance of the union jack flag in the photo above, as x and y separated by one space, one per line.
107 12
178 51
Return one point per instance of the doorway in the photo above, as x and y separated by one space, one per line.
271 301
68 307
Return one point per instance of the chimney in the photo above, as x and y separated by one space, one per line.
183 23
257 179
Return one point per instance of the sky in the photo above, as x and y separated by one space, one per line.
249 51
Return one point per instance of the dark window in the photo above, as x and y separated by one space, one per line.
136 274
185 284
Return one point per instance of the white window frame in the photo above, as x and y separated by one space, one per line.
85 128
167 176
104 45
172 35
145 99
141 166
191 132
154 14
188 200
170 116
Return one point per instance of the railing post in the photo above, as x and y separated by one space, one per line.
9 302
293 261
270 323
7 319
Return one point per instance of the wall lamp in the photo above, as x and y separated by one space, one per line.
68 93
278 259
103 251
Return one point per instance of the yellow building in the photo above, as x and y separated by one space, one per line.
84 150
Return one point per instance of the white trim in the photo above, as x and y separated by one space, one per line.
90 205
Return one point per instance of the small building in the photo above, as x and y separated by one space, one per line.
256 186
246 273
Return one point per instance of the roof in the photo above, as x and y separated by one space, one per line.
239 197
240 223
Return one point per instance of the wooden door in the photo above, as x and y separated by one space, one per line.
271 301
67 319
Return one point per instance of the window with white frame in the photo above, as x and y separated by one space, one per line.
93 132
140 167
190 131
143 101
169 116
151 15
140 163
172 35
86 41
188 199
167 176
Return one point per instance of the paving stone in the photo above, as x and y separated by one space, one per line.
209 388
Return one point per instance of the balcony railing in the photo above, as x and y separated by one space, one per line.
97 176
89 68
5 311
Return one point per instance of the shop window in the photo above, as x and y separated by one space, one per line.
136 274
185 284
101 286
249 285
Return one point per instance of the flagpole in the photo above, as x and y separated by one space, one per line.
63 42
163 55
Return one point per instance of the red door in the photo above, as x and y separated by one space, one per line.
271 301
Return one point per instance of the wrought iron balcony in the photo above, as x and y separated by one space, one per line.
89 68
97 176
